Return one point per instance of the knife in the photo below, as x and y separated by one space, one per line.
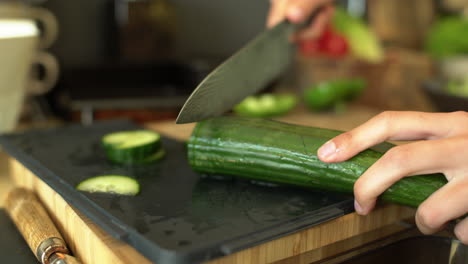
37 228
250 69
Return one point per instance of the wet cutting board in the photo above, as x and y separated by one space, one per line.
179 216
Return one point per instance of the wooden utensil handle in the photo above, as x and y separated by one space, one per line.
34 223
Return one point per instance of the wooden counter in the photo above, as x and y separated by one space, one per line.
92 245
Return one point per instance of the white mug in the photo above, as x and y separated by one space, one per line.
18 49
41 16
47 23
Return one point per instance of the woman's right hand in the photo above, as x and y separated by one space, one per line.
297 11
438 144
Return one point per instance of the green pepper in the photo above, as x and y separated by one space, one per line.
327 94
266 105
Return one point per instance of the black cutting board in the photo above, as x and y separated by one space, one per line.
179 216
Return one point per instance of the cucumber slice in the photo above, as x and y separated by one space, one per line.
131 139
155 157
131 147
118 184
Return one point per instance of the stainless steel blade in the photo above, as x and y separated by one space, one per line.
458 253
246 72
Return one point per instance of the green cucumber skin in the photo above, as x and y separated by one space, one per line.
134 153
130 156
136 159
277 152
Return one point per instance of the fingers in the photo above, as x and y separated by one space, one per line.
318 25
446 204
389 126
421 157
461 231
299 10
277 12
445 151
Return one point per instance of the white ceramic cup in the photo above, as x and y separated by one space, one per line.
41 16
18 48
47 23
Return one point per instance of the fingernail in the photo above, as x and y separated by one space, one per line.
295 14
327 150
358 208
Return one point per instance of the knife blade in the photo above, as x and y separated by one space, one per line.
246 72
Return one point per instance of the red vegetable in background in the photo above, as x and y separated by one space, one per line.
309 47
330 43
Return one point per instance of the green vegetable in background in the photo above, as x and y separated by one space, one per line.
331 93
448 37
266 105
362 41
458 87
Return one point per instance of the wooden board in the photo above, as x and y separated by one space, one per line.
92 245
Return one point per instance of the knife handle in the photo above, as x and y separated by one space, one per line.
34 224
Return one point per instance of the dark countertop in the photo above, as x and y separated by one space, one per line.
13 248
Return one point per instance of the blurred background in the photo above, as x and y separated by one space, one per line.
140 59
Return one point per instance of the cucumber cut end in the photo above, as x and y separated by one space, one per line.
132 147
115 184
131 139
155 157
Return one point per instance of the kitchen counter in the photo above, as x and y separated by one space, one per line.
92 245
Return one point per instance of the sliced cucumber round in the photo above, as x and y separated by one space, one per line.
117 184
131 147
155 156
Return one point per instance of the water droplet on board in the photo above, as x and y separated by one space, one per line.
184 243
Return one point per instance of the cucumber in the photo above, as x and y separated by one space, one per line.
154 157
270 151
132 147
117 184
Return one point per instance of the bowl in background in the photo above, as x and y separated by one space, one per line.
454 67
443 100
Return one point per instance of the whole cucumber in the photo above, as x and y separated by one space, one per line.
271 151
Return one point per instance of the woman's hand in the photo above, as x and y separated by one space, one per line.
298 11
443 147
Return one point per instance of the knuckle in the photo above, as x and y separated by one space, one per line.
463 140
396 156
461 234
427 218
344 138
386 115
385 118
461 119
460 115
360 190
